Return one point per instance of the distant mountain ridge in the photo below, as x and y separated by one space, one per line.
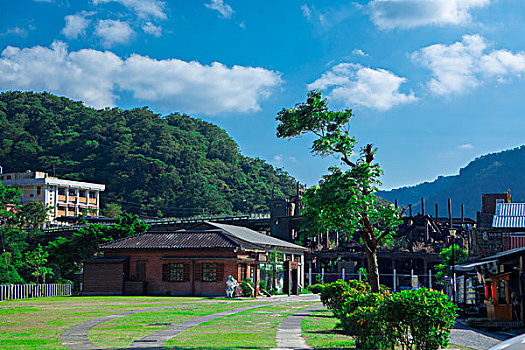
491 173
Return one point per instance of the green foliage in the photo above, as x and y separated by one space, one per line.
316 288
413 319
336 294
112 210
443 269
37 260
67 253
420 318
247 288
344 200
172 165
34 214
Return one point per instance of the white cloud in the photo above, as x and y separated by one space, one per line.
143 8
152 29
388 14
219 5
359 52
75 25
354 84
278 159
466 146
18 31
462 66
306 11
98 78
113 32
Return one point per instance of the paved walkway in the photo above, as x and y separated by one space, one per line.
474 338
289 330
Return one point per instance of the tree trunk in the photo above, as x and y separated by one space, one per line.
373 270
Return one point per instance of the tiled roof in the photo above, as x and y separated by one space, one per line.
180 240
252 236
509 215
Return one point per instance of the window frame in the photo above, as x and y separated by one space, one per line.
209 272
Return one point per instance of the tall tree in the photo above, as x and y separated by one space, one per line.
344 200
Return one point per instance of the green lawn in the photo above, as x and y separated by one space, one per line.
122 331
248 330
37 323
319 332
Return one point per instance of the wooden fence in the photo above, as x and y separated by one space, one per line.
24 291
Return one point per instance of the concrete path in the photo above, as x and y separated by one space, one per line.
289 330
474 338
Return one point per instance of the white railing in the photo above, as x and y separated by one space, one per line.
25 291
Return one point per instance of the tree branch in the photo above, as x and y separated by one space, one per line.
383 235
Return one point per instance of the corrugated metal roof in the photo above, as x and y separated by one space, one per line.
178 240
510 209
248 235
508 221
509 215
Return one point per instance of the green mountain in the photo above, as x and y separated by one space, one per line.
172 165
491 173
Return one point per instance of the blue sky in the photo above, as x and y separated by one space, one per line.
433 83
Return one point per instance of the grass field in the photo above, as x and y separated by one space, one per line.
37 323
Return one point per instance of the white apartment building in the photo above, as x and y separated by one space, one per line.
65 197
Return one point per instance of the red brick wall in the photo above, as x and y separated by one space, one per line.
103 278
154 260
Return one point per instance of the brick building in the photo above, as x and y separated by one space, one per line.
194 261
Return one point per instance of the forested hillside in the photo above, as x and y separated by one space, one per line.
491 173
172 165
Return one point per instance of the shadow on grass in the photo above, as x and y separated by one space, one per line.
327 331
320 316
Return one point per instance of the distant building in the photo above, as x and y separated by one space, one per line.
65 197
500 226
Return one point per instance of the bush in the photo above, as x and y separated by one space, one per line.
421 319
316 288
246 291
415 319
335 294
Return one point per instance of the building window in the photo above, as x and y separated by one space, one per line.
72 192
82 193
9 177
61 191
92 195
209 272
38 191
176 272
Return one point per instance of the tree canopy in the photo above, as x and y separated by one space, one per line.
172 165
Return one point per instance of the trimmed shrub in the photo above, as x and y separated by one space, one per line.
414 319
316 288
335 294
421 319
